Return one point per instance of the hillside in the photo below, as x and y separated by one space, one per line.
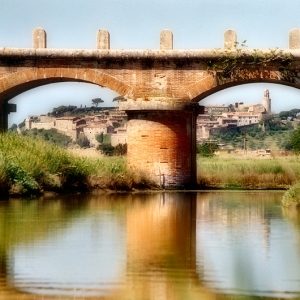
272 136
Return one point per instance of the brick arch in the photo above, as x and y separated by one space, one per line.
264 76
18 82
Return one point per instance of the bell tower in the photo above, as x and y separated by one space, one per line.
266 101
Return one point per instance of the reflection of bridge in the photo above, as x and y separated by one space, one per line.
162 89
163 253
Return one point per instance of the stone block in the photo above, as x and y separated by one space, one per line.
294 39
166 40
103 39
39 38
230 39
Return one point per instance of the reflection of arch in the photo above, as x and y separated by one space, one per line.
19 82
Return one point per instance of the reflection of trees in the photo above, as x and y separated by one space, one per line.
292 214
224 219
26 222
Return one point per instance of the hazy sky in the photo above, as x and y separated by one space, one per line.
136 24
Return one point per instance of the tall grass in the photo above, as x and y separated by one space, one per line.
292 196
248 173
31 166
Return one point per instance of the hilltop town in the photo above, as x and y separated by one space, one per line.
90 124
111 122
220 118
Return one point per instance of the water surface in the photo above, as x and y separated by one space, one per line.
219 245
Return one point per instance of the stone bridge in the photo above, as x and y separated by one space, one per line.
161 89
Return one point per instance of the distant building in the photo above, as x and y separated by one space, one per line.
266 101
215 108
119 136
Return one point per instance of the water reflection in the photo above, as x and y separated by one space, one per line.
149 246
245 247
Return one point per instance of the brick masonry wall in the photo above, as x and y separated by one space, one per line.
160 144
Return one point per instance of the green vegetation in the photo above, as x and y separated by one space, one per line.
295 141
83 141
100 138
75 111
103 138
248 173
236 64
292 196
30 166
284 115
273 134
109 150
51 135
207 149
96 101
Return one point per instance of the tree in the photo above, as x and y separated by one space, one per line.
13 127
119 98
207 149
106 149
294 141
115 124
96 101
120 149
100 137
231 107
83 141
22 124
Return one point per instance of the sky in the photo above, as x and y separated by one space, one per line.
136 24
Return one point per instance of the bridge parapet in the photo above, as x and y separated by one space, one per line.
39 38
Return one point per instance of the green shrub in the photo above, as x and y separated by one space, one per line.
106 149
99 138
207 149
292 196
83 141
120 149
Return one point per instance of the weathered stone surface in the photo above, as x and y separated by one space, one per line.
39 38
166 40
294 39
103 39
230 39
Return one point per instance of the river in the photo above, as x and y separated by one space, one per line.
186 245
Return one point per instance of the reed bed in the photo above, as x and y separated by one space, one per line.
248 173
31 166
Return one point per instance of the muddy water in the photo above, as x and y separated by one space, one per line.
206 245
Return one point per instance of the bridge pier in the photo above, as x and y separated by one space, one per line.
3 116
162 144
5 110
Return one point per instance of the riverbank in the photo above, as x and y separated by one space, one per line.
32 166
248 173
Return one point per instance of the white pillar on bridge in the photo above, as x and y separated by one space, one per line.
166 40
294 39
230 39
103 39
39 38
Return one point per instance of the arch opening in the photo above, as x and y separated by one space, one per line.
236 117
42 99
